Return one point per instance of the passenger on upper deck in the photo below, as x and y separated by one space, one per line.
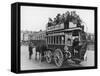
58 18
55 21
50 22
75 18
66 19
79 21
63 18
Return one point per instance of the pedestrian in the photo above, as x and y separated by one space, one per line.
30 50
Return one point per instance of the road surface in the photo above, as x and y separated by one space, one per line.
27 64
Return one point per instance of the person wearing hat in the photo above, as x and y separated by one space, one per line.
58 18
66 19
79 21
50 22
55 21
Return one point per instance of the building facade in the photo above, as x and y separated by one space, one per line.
39 35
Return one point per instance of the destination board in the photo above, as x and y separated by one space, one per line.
56 27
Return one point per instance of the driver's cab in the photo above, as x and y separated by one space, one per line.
75 39
70 37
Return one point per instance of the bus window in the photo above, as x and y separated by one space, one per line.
63 39
68 42
51 39
75 33
47 39
60 39
54 40
57 39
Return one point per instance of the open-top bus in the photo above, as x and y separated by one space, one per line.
65 43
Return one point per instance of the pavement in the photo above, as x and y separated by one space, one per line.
32 64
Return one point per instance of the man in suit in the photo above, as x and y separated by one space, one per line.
66 18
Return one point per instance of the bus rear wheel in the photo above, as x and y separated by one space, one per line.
58 58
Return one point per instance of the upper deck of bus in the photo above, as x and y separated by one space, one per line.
61 28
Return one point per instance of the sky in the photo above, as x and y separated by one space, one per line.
36 18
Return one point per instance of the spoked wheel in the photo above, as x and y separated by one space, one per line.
58 57
48 56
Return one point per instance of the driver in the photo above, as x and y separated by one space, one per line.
76 46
